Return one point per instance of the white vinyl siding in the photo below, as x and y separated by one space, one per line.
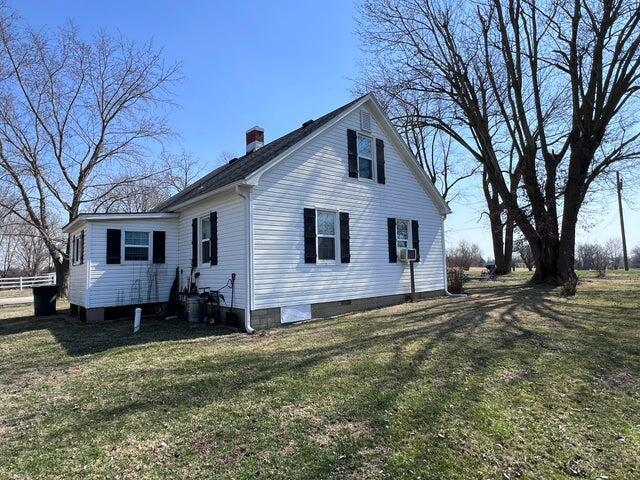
230 210
130 282
316 176
78 271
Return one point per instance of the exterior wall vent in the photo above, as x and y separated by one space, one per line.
365 120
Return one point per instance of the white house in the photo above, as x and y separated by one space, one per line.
316 223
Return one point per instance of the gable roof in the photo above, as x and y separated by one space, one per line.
240 168
250 167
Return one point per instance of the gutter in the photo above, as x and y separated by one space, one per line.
444 268
99 217
226 188
249 263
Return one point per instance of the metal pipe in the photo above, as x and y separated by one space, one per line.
248 241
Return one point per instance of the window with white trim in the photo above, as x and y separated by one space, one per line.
326 235
205 240
136 246
402 233
365 156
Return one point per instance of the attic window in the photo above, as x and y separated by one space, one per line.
365 157
365 120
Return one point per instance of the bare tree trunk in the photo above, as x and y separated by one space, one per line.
62 276
501 233
508 242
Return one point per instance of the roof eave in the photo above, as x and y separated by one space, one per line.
89 217
204 196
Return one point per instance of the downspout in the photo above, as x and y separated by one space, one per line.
249 262
444 267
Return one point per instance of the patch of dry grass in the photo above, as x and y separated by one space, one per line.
514 381
16 293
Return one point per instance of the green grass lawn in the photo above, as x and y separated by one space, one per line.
512 382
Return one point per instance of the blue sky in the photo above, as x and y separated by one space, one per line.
270 63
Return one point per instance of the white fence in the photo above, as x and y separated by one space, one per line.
20 283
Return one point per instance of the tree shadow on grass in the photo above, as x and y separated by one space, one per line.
453 352
79 338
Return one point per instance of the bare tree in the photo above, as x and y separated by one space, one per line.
554 82
76 119
465 255
635 257
613 247
32 253
526 255
586 253
178 170
601 260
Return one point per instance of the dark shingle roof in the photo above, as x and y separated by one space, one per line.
249 163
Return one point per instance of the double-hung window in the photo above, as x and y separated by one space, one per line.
205 240
136 246
402 233
326 228
74 249
365 156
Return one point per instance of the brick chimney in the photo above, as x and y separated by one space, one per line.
255 139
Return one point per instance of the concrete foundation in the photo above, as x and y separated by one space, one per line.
266 318
94 315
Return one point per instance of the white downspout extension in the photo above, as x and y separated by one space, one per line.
444 267
249 262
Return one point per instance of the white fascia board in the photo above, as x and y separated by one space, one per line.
225 189
107 217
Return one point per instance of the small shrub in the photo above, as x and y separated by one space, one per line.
455 279
600 261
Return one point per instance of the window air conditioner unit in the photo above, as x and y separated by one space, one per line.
408 255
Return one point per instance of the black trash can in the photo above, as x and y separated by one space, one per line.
44 300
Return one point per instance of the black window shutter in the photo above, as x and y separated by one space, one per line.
213 241
113 245
82 246
194 242
309 235
391 234
345 248
380 160
415 238
352 153
159 241
73 249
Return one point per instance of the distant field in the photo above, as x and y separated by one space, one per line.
511 382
